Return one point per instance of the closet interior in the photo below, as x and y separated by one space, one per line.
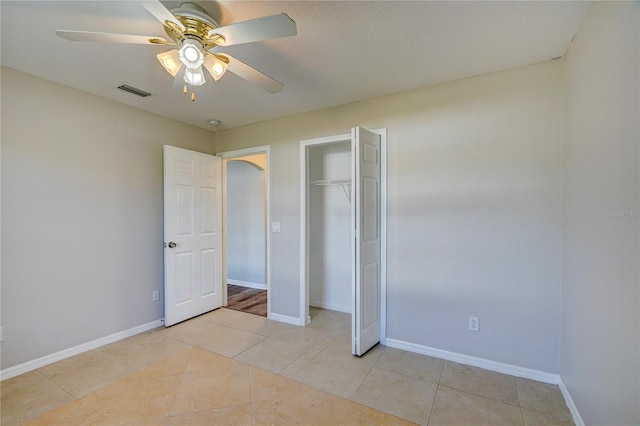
330 226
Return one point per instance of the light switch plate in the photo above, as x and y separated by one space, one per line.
275 226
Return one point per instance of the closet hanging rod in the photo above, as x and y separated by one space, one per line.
331 182
335 182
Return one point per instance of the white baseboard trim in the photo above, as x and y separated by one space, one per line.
25 367
286 319
330 306
247 284
577 418
499 367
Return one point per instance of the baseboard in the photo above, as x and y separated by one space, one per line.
499 367
16 370
577 419
286 319
330 306
247 284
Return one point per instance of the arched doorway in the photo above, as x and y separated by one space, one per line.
246 201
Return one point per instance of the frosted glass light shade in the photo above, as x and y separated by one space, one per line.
170 61
215 66
194 77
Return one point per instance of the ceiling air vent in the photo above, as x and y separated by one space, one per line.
134 90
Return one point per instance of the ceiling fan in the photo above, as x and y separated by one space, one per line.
196 34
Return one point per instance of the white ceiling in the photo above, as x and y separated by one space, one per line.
345 51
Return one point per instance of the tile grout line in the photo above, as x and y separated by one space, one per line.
243 351
478 395
250 395
62 389
539 411
361 383
54 408
233 326
333 414
305 364
407 375
519 404
101 351
204 410
84 417
435 395
433 403
548 415
184 371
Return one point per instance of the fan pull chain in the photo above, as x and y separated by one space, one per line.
193 93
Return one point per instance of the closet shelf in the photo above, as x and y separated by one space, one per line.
335 182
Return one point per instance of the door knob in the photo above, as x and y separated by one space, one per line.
172 244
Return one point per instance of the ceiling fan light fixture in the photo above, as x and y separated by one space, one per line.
191 54
196 35
215 66
170 61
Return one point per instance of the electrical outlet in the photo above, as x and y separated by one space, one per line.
474 324
155 295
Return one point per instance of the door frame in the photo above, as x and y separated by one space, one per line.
304 218
230 155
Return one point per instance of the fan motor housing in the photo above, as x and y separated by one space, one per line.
197 26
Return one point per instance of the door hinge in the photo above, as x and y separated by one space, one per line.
355 233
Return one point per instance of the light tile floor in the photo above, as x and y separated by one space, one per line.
228 368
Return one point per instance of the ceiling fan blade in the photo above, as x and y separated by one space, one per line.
110 37
265 28
252 75
161 13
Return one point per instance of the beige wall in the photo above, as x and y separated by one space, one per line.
82 215
600 362
474 225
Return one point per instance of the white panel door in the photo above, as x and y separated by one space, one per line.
192 234
366 211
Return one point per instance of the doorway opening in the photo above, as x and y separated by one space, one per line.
246 240
329 226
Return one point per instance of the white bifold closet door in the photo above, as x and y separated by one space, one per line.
366 247
192 234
